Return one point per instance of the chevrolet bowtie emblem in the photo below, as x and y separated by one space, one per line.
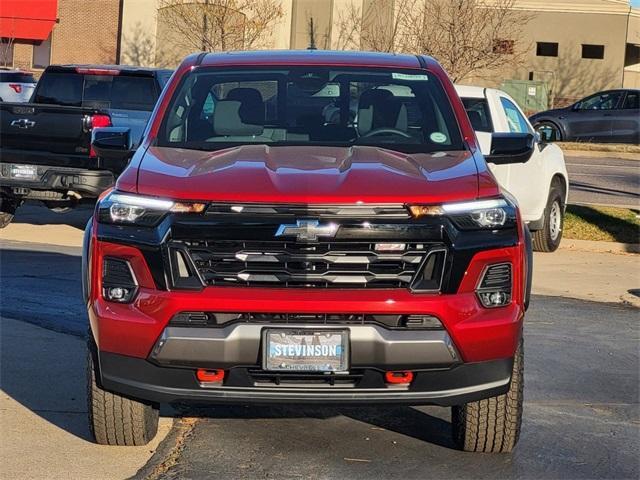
307 230
23 123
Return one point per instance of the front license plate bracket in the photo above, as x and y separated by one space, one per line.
305 350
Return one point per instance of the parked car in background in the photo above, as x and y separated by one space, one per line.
45 151
612 116
16 85
540 185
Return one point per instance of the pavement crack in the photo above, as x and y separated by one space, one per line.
168 452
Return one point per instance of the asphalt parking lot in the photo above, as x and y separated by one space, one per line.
581 409
581 418
603 180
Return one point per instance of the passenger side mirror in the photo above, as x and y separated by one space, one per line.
112 143
507 148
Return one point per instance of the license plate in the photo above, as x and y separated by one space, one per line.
24 172
305 350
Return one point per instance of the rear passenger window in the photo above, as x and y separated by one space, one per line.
119 92
133 93
516 122
60 89
478 111
632 102
122 92
17 77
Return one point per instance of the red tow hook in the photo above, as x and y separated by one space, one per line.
398 377
210 376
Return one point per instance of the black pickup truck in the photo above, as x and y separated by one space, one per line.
45 145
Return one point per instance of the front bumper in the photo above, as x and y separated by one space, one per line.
456 385
89 183
370 346
143 353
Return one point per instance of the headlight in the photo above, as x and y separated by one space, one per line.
127 208
492 214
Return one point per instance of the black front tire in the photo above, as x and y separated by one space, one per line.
549 237
118 420
492 425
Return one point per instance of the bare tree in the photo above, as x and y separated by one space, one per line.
468 37
138 47
220 25
6 52
377 27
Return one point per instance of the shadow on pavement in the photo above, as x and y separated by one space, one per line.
621 229
43 288
404 420
44 372
585 187
35 213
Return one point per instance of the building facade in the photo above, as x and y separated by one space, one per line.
38 33
576 47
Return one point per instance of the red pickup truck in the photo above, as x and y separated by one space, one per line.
307 227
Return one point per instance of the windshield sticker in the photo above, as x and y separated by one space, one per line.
409 76
438 137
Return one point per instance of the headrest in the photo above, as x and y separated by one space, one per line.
252 108
227 120
378 108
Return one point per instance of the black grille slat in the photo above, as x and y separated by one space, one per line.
497 277
117 272
290 264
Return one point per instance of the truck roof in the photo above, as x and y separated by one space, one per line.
312 57
471 91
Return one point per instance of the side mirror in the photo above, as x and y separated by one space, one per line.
509 148
112 143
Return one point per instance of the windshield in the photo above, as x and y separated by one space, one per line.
400 110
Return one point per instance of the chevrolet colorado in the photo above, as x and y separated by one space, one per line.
45 151
266 246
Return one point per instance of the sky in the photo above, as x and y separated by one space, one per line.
635 3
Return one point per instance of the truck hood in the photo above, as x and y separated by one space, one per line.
285 174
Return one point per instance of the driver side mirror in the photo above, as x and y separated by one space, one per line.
113 146
507 148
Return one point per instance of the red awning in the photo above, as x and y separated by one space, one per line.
27 19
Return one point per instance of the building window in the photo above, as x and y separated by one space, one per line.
504 47
6 52
593 51
546 49
42 53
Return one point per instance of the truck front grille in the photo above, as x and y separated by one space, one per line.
320 265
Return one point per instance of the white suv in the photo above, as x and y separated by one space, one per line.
16 85
541 185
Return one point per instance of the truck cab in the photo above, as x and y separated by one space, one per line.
540 185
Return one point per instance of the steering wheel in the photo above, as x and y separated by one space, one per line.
385 131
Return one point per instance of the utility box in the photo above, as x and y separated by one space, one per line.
531 95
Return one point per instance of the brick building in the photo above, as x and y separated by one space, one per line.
37 33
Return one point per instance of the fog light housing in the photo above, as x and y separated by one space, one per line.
118 281
494 299
118 294
494 289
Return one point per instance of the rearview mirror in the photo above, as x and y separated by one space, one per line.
509 148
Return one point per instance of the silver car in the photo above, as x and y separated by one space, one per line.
16 85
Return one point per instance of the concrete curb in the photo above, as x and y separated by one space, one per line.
602 247
601 154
